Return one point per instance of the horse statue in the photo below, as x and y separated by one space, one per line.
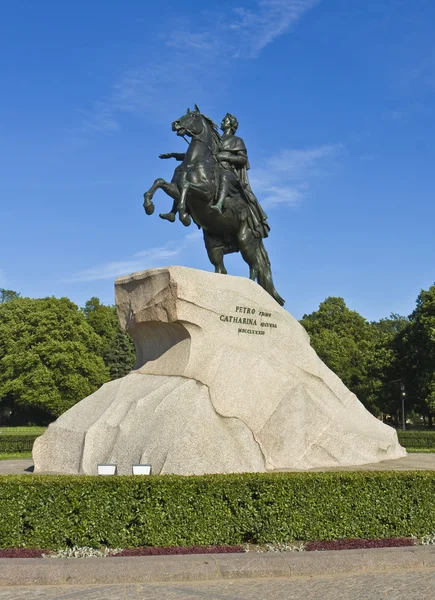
211 187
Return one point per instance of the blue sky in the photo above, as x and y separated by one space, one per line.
335 100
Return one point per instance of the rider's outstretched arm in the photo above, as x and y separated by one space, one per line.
177 155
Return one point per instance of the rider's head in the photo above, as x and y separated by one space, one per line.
230 122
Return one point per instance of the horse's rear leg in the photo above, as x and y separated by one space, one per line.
171 189
248 249
255 254
216 255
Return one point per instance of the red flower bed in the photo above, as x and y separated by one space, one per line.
159 551
353 544
22 553
344 544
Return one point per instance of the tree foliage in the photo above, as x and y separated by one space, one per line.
351 347
117 349
379 361
7 295
392 325
417 354
53 354
50 357
389 363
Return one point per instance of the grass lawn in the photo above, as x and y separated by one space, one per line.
427 450
14 455
29 430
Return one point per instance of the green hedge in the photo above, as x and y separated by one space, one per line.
16 443
417 439
57 511
23 430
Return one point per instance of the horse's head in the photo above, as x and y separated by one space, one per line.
190 124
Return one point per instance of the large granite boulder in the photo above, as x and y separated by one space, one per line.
225 381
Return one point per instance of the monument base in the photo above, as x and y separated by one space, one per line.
225 381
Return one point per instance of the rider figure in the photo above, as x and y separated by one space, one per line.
233 178
232 154
232 157
234 181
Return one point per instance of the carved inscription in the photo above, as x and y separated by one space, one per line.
255 319
243 320
251 331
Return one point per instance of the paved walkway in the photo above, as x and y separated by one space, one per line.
388 573
17 466
417 585
415 461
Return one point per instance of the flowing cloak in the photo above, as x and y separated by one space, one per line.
255 215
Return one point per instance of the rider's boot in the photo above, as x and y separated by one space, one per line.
217 207
170 216
223 192
221 199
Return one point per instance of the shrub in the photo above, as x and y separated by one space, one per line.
49 511
417 439
10 444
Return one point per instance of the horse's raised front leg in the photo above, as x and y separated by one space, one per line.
182 211
171 189
200 188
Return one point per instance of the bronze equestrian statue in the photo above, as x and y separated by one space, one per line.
211 186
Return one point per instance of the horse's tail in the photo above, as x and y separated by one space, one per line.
265 274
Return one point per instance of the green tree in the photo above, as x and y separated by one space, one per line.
350 346
392 325
102 319
49 357
389 369
117 349
7 295
418 355
120 356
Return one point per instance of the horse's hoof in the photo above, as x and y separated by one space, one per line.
149 207
185 219
167 216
